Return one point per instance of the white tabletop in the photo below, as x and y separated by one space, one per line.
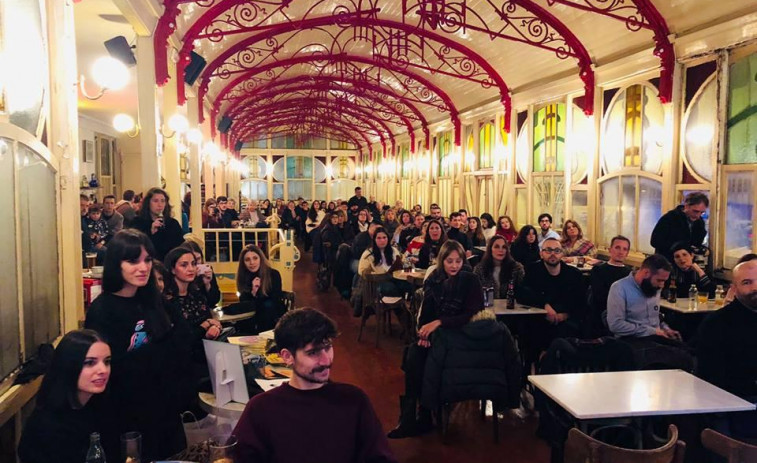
636 393
500 308
682 306
227 318
232 410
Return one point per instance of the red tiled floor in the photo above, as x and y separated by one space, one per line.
377 372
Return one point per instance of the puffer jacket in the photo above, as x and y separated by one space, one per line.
475 362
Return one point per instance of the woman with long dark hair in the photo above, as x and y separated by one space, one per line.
210 216
260 285
362 223
488 227
265 207
405 222
498 268
525 248
331 237
150 344
70 404
314 218
475 232
451 296
381 258
155 220
432 242
206 279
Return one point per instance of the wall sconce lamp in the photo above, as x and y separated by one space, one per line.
125 124
177 124
109 73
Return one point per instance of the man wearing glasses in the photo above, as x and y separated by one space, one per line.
559 289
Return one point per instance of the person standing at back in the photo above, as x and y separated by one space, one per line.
684 223
357 200
155 220
112 216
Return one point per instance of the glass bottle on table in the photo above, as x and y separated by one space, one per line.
719 296
511 295
672 292
693 296
95 454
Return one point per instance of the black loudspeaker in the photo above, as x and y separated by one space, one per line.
224 124
119 49
194 68
238 146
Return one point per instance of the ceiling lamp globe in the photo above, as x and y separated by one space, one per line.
123 123
110 73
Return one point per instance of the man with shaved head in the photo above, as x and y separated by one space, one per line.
727 348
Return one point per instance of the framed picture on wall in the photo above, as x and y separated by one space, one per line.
87 151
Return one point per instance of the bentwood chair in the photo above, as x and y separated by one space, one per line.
374 303
581 448
731 449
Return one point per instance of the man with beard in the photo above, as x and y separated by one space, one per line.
558 289
633 314
310 419
727 348
546 232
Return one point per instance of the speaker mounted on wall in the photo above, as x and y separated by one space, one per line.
120 49
224 124
238 146
194 68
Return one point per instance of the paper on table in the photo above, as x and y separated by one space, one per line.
266 334
268 384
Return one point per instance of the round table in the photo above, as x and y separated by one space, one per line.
226 318
231 410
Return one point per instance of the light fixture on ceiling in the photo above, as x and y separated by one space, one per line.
107 72
125 124
194 136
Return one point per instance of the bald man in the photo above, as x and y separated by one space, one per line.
727 347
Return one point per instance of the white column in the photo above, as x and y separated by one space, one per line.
170 152
147 113
195 183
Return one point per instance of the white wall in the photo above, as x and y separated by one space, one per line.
87 129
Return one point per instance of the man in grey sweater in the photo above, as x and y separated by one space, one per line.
633 314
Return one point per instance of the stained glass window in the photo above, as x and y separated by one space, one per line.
699 132
486 146
444 148
742 112
549 138
405 158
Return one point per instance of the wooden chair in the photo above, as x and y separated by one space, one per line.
374 303
581 448
735 451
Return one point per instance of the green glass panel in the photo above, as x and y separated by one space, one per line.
539 142
561 118
299 167
742 112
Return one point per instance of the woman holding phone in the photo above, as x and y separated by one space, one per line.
206 279
155 221
259 285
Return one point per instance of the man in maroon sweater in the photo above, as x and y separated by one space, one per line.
310 419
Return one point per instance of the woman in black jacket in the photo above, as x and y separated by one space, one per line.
206 279
290 219
525 247
70 404
260 285
432 242
451 296
150 344
155 221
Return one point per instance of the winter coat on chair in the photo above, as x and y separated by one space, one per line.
478 361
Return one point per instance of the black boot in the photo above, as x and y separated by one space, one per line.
425 423
407 426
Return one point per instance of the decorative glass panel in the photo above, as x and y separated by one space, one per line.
649 212
579 208
486 146
342 189
255 189
319 171
342 145
522 153
24 70
299 189
742 112
278 170
739 215
549 196
613 145
628 206
299 167
609 208
653 131
282 142
405 167
39 248
343 167
581 142
278 190
701 123
320 191
256 165
9 341
444 148
549 138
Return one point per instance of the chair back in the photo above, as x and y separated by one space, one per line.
288 299
371 283
571 355
581 448
731 449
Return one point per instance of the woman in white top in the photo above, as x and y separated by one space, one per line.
488 227
381 258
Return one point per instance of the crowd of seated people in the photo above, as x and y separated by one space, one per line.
151 318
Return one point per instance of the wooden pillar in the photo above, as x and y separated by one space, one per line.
147 120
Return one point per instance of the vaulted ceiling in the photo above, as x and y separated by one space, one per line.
368 70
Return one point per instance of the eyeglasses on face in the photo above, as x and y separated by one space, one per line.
552 250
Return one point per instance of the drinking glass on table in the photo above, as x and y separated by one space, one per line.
91 259
131 447
702 298
222 448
